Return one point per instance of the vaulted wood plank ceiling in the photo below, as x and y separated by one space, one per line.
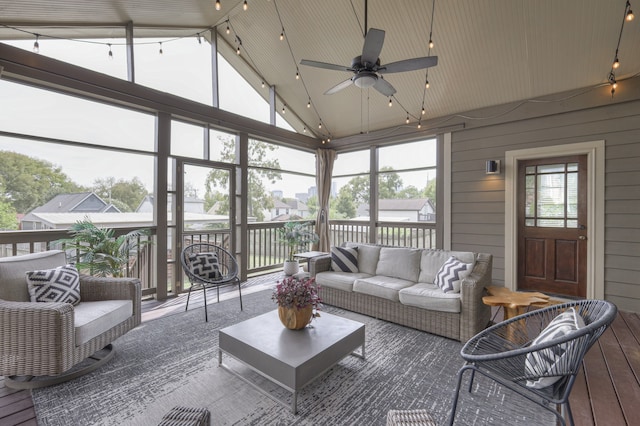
490 52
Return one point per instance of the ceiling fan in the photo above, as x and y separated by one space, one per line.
366 68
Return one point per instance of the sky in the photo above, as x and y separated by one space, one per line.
48 114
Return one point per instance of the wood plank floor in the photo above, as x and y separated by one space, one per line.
606 393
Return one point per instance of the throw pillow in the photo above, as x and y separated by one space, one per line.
451 273
205 265
544 362
344 259
61 284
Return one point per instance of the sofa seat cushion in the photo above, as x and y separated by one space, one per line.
402 263
429 296
381 286
94 318
339 280
432 260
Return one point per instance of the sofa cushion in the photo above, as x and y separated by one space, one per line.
344 259
432 260
429 296
94 318
13 285
452 272
367 257
403 263
381 286
340 280
61 284
205 265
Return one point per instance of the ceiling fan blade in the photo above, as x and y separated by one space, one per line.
372 46
338 87
324 65
384 87
409 65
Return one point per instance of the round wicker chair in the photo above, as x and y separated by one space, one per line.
222 271
505 353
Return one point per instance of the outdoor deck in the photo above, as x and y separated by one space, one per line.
606 393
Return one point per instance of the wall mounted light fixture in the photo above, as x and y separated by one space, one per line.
493 167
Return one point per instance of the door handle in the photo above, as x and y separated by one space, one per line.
582 237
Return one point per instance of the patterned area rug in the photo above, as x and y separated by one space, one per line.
172 361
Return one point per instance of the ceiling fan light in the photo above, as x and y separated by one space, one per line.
365 80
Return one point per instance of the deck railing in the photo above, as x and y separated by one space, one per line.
265 252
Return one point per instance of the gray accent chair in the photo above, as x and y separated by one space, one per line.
44 343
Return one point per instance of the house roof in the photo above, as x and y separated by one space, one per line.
491 53
413 204
62 203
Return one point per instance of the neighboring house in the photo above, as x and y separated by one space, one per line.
191 204
291 207
405 210
77 203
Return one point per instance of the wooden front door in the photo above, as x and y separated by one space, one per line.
552 219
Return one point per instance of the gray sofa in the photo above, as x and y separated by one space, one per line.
48 339
396 284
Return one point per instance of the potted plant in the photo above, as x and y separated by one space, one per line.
298 301
295 235
99 252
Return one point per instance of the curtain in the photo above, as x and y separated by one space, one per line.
324 172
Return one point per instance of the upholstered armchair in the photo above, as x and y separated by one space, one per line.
43 343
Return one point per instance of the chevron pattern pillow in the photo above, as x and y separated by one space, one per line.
205 265
61 284
344 259
452 272
542 364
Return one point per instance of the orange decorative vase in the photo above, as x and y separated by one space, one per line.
295 319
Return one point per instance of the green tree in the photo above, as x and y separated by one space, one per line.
124 194
312 203
8 218
27 182
389 183
344 203
430 191
359 189
409 192
259 200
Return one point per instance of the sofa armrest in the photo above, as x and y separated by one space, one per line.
36 338
108 288
319 264
475 315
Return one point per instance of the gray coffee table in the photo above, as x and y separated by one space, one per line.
290 358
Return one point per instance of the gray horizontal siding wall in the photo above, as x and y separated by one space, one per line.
478 200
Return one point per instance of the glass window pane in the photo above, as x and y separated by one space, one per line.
529 207
550 197
187 140
39 112
551 223
529 222
551 168
350 198
351 163
411 155
572 224
281 197
572 195
222 146
530 182
92 54
572 167
206 198
530 170
407 196
237 96
183 68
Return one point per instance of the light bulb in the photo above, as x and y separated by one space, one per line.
390 103
238 50
328 140
110 52
283 110
160 51
427 85
297 76
282 35
320 125
262 84
218 5
430 44
616 64
615 85
419 125
304 130
309 104
228 29
630 15
36 45
245 6
422 111
323 141
407 120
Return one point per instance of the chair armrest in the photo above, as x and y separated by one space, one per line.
475 315
36 337
108 288
319 264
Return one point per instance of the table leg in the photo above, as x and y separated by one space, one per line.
294 402
219 357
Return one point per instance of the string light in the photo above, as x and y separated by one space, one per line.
218 5
616 63
283 110
110 52
407 120
199 38
304 130
430 44
328 139
309 104
390 103
282 35
245 6
228 29
320 125
422 112
238 50
297 75
160 51
262 84
36 45
419 125
629 16
427 85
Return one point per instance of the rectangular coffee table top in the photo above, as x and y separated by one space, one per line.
291 358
